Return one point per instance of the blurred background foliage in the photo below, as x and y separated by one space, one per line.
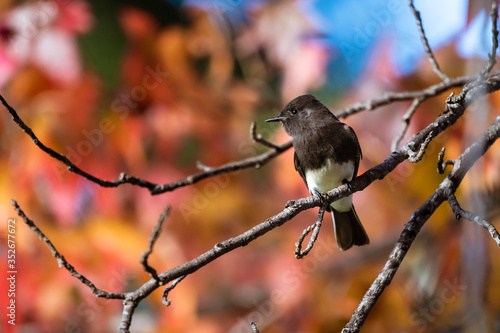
150 88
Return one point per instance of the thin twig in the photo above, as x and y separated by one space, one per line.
492 57
441 166
152 239
390 97
165 299
415 157
251 162
417 220
427 48
61 261
299 254
461 213
259 139
406 122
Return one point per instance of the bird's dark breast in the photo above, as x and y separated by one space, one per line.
315 147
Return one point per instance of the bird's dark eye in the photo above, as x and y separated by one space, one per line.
294 111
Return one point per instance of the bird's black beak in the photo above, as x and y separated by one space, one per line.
277 118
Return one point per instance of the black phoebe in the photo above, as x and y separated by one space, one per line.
327 155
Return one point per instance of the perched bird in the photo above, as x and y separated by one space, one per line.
327 155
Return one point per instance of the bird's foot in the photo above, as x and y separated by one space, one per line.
321 196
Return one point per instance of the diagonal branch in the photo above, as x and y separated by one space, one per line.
71 166
417 220
390 97
252 162
461 213
152 240
406 122
61 261
427 48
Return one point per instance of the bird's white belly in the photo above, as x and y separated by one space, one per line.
330 176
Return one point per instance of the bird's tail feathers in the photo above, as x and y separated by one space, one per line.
348 229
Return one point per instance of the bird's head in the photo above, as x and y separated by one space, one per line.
303 113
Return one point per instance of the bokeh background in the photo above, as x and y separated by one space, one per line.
150 88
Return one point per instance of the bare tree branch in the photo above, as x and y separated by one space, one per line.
441 166
164 298
152 240
299 254
461 213
406 122
390 97
416 157
417 220
492 57
61 261
259 139
128 311
427 48
252 162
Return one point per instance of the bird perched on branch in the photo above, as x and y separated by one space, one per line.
327 155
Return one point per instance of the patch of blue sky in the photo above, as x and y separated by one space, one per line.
355 29
476 41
